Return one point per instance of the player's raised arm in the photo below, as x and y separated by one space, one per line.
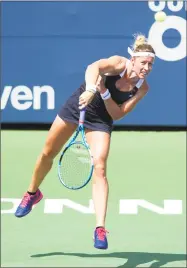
113 65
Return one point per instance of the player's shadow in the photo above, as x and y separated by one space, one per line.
133 259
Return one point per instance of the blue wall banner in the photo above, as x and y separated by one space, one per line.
46 47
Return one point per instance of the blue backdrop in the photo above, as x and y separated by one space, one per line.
46 47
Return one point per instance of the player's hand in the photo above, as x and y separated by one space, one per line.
85 98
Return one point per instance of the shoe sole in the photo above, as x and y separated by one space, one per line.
20 216
100 248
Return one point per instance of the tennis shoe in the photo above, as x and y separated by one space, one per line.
100 238
27 203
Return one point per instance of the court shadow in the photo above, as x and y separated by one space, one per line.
133 259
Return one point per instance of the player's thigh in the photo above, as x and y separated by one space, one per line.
99 143
58 135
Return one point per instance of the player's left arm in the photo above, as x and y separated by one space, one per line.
117 112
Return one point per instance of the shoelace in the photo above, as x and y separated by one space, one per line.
25 200
101 233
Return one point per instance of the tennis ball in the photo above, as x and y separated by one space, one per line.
160 16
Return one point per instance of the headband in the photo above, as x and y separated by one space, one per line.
140 53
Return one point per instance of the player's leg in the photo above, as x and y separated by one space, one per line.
58 135
99 144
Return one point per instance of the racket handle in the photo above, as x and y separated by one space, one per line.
82 116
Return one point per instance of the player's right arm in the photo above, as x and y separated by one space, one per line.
112 65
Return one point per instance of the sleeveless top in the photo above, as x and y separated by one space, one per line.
97 116
120 96
97 106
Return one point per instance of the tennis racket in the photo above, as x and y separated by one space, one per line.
75 165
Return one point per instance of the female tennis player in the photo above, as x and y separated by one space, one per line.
111 90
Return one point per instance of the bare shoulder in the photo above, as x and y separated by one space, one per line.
118 63
117 58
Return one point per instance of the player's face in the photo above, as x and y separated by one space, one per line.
142 66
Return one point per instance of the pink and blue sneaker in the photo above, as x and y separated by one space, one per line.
27 203
100 239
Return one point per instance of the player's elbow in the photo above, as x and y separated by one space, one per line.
124 112
117 116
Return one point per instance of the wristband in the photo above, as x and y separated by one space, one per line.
91 88
106 95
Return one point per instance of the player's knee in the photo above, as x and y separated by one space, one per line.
48 153
100 168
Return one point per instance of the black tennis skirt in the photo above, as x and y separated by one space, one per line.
96 117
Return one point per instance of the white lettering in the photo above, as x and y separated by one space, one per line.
22 98
14 202
37 97
16 97
155 38
177 7
174 6
157 7
56 206
5 96
126 206
171 207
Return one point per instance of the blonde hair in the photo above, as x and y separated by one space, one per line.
141 44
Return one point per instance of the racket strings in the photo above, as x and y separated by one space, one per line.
76 165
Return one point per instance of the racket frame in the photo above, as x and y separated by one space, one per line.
80 129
